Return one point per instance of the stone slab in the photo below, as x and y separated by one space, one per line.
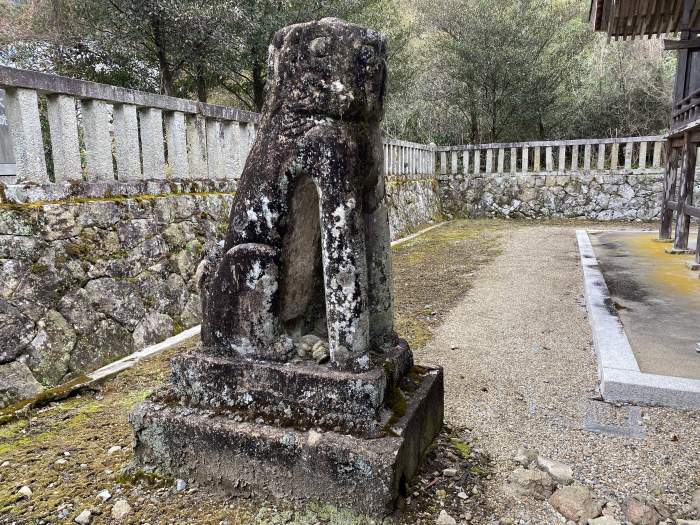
621 379
303 392
245 457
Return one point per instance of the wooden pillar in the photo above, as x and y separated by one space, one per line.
685 197
669 193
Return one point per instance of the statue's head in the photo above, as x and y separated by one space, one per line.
329 67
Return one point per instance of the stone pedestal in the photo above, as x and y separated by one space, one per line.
294 430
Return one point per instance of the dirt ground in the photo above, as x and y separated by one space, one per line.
61 451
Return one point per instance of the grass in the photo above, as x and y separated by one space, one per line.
431 273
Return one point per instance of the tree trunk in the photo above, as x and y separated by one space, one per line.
201 84
166 72
258 86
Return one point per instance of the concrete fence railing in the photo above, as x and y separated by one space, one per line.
402 158
98 132
633 155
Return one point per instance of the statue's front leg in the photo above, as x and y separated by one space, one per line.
329 162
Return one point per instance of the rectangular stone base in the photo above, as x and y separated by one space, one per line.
304 393
243 457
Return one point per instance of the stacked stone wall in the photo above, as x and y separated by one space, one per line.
412 203
606 196
87 282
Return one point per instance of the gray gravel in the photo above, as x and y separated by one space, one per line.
523 373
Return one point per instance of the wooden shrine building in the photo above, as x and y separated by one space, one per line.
630 19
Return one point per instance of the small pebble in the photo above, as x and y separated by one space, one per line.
26 492
462 495
114 449
104 495
120 509
180 485
84 518
449 472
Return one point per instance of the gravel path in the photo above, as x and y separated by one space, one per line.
524 373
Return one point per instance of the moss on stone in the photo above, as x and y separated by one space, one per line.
462 447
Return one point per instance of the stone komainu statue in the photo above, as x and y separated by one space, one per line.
306 257
307 245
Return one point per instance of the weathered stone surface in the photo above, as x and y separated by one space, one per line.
576 503
530 482
579 195
638 512
154 328
16 331
525 456
16 382
445 519
102 267
241 457
318 147
604 520
51 348
303 395
561 473
300 369
695 501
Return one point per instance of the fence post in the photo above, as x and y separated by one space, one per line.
614 155
63 128
680 242
587 157
175 133
562 158
628 155
197 141
151 125
601 156
22 106
670 174
126 142
642 155
98 143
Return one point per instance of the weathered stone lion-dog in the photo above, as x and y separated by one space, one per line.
306 250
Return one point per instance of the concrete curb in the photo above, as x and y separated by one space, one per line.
402 240
620 377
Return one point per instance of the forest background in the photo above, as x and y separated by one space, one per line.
461 71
